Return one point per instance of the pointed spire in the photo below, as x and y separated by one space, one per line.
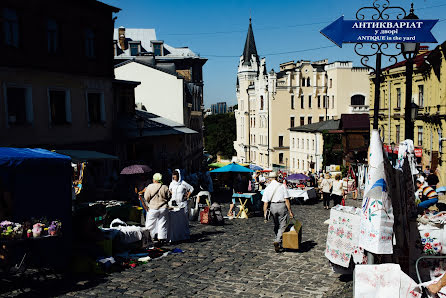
250 46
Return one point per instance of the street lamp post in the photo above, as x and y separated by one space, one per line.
410 51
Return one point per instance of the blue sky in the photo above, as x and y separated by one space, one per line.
217 29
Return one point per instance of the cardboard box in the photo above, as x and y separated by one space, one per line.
292 239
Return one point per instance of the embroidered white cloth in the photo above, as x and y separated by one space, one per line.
376 222
433 239
385 280
342 237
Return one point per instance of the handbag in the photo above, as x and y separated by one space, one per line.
204 216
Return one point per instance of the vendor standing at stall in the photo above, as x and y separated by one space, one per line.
180 190
277 195
156 196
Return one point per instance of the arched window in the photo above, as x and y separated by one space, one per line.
303 82
358 100
261 102
308 82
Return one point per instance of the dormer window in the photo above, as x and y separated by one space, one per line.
158 49
135 48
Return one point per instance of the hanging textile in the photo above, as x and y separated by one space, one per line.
342 236
376 224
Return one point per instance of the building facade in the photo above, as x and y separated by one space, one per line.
301 93
219 108
171 82
306 149
56 75
428 92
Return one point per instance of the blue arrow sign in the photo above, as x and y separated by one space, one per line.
377 31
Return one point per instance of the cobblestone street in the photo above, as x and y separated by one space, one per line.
236 259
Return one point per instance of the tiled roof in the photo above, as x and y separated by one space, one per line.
145 36
418 61
154 125
318 126
145 63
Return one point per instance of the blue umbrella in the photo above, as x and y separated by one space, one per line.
255 168
441 189
232 168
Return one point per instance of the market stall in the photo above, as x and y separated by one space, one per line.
39 187
96 174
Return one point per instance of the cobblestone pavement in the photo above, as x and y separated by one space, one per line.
236 259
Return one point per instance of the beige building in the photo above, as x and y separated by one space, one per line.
428 92
301 93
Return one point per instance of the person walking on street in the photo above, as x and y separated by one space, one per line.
156 196
277 194
337 191
325 189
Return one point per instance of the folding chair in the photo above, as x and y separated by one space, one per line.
418 271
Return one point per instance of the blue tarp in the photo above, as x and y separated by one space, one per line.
14 157
39 181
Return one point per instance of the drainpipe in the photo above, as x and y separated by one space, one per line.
268 130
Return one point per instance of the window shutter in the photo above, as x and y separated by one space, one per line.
103 116
68 106
29 106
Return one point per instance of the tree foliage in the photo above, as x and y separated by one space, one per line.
220 134
333 151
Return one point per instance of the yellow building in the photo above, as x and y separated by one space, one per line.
429 93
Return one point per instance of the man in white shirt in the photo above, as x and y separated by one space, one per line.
277 194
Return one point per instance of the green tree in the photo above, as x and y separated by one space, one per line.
220 134
333 150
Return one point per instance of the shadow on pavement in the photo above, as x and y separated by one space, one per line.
35 284
307 246
201 237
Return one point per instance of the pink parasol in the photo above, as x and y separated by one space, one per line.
135 169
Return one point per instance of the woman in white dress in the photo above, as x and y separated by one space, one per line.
180 190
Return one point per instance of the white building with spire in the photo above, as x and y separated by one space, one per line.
301 93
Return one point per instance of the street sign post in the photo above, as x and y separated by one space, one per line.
377 31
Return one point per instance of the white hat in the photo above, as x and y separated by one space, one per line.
272 175
421 179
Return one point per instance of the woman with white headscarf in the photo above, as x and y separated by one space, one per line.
180 190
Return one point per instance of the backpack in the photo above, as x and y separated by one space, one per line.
215 214
204 216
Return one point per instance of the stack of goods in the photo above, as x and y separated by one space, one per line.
30 229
